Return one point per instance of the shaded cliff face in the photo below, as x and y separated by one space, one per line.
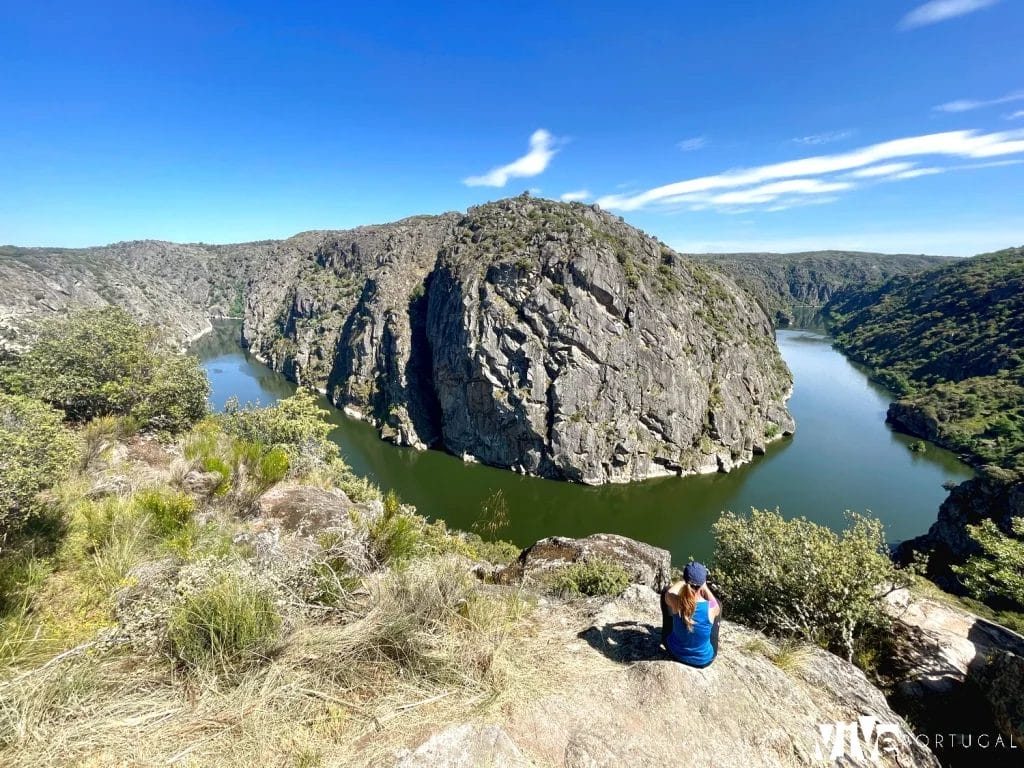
549 338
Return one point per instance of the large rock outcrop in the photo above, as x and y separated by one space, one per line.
548 338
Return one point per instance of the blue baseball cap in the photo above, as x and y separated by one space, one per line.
695 574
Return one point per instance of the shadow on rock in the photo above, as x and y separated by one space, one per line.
626 641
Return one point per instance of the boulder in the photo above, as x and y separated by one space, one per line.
646 564
960 673
305 509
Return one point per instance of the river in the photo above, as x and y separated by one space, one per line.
842 457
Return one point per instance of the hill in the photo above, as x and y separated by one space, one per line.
950 341
787 283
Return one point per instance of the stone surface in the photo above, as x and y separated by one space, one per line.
960 671
638 708
549 338
646 564
467 746
948 542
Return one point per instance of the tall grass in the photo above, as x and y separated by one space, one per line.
224 626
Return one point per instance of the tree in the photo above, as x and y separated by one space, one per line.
36 451
796 578
99 362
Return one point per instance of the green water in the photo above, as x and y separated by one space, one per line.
842 457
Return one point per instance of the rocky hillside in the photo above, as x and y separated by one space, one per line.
549 338
176 286
383 650
786 283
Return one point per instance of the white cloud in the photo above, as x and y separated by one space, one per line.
967 105
824 138
533 163
579 195
968 144
886 169
767 193
692 145
940 10
1015 115
917 172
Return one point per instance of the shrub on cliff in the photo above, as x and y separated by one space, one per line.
98 362
999 572
35 452
799 579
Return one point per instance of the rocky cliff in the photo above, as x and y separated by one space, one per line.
549 338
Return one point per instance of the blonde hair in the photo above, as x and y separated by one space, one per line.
684 603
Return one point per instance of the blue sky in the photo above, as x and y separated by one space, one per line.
224 122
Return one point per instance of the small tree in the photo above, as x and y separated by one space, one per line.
99 362
999 572
796 578
36 451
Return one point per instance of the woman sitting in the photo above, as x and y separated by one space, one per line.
690 618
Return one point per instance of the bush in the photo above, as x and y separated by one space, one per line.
998 573
224 626
798 579
169 511
590 579
36 451
98 362
296 424
396 536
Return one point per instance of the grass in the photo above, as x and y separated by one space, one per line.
589 579
224 626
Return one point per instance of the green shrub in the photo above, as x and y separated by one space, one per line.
296 424
396 536
999 571
36 451
590 579
224 626
795 578
169 511
97 362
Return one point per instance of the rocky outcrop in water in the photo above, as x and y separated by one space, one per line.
549 338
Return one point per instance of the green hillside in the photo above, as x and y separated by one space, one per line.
950 341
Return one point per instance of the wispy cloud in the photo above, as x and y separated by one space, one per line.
533 163
1016 115
823 138
692 145
578 195
886 169
939 10
967 105
810 175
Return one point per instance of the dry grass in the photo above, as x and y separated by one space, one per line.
422 649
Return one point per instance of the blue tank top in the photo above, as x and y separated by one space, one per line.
692 646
